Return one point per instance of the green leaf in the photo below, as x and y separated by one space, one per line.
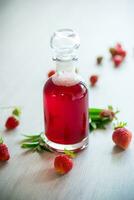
29 145
110 107
32 136
120 125
1 140
30 140
93 124
16 112
94 111
70 153
35 142
47 148
39 149
95 117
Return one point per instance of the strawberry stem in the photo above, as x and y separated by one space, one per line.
120 125
16 112
69 153
1 140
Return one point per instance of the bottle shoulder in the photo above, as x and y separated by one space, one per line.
79 89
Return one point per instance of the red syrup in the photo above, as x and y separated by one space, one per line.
65 112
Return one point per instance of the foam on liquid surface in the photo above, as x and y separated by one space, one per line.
66 79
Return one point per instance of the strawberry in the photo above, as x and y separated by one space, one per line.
51 72
122 136
118 45
93 80
107 114
4 154
12 122
117 59
120 51
63 164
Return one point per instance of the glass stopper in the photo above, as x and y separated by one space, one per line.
65 43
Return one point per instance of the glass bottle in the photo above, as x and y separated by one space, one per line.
65 97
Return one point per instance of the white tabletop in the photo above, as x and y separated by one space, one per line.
102 172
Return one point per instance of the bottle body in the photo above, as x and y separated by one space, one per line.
66 115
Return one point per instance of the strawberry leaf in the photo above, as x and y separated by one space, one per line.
1 140
16 112
120 125
69 153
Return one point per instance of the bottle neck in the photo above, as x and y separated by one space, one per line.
66 66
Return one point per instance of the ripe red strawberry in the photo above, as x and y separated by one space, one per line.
12 122
120 51
63 164
93 80
118 45
123 53
107 114
50 73
122 136
4 154
117 59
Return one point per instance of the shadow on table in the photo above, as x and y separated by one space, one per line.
3 164
43 155
47 175
117 150
47 155
119 156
